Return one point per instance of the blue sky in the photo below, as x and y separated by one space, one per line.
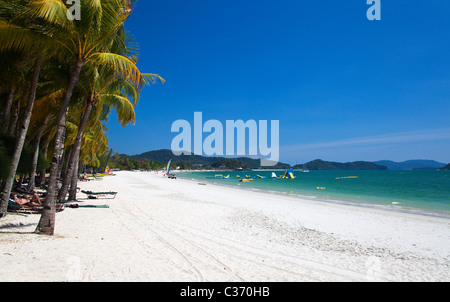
344 88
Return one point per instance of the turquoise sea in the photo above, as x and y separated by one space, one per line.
425 192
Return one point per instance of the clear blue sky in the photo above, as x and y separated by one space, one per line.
344 88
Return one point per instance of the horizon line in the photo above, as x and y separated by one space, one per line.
249 157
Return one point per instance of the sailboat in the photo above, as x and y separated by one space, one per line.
107 172
168 171
305 169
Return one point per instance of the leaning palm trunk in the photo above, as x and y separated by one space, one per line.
67 153
15 118
42 176
21 138
74 182
46 224
72 162
7 111
37 142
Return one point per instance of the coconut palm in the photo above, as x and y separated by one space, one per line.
88 41
106 90
16 35
21 136
96 40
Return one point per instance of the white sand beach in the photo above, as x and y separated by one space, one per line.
159 229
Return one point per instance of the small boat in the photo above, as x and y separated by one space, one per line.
320 188
245 180
346 177
219 176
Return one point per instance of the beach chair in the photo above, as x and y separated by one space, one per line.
26 209
94 195
23 209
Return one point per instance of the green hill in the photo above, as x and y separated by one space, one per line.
161 157
319 164
203 162
165 155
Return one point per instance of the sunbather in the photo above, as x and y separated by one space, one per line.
34 201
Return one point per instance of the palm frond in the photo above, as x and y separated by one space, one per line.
120 64
52 11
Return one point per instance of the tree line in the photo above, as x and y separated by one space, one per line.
59 81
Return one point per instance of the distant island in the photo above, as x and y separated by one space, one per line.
158 159
416 164
204 162
447 167
319 164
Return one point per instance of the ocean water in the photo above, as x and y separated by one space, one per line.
424 192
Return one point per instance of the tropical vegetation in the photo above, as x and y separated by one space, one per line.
60 77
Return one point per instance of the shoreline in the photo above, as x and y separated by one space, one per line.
159 229
342 201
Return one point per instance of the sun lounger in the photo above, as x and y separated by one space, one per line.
94 195
26 209
76 206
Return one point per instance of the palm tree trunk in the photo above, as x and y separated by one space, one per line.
46 224
74 183
72 161
21 138
42 176
37 141
7 111
67 153
15 118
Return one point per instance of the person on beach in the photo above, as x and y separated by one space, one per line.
34 201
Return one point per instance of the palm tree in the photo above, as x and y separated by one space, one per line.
30 41
106 90
88 41
21 136
96 40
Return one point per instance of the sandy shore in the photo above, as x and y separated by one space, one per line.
159 229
